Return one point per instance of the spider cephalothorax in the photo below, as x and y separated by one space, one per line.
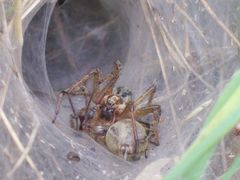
115 103
108 109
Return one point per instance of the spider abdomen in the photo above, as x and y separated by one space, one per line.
120 139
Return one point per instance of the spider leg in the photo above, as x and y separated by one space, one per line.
149 93
134 129
78 88
58 106
59 102
153 131
73 109
109 83
96 82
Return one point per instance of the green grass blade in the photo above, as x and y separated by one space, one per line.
198 168
232 169
228 91
222 119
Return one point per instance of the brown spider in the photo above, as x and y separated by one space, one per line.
106 106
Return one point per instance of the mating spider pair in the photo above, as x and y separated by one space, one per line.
111 116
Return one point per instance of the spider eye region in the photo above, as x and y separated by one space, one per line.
118 90
122 92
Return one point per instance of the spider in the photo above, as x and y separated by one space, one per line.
107 106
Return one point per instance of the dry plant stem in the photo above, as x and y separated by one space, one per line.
161 25
30 3
3 18
29 6
145 6
189 19
170 49
197 110
186 39
18 143
18 22
4 23
220 23
18 28
3 94
25 2
187 51
223 154
160 99
25 153
165 33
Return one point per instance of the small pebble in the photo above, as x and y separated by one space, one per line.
73 156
